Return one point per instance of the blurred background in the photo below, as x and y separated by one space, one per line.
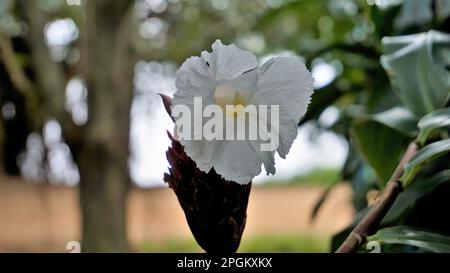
83 131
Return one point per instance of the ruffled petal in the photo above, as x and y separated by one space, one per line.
193 80
281 81
246 84
228 61
285 81
267 157
236 161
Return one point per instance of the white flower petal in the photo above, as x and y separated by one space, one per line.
201 151
245 83
236 161
281 81
286 82
193 80
268 159
228 62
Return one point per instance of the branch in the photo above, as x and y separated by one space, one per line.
373 218
50 76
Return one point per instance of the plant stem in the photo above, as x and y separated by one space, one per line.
372 219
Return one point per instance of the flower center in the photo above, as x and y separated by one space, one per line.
226 95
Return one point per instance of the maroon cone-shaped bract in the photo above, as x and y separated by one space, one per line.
215 209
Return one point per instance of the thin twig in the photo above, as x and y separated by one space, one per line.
373 218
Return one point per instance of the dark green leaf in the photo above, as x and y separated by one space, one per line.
414 13
398 118
404 206
408 198
434 120
413 236
424 156
380 145
418 75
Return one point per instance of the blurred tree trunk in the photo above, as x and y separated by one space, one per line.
100 147
108 67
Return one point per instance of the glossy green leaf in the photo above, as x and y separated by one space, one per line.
417 72
408 198
403 207
423 239
398 118
424 156
413 13
380 145
434 120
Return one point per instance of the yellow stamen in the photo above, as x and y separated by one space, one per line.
226 95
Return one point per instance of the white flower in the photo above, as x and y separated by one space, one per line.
230 76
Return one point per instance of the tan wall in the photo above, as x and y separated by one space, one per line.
44 218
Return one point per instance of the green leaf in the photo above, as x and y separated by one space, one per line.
414 13
399 119
417 71
395 43
403 207
423 239
409 197
380 145
424 156
434 120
